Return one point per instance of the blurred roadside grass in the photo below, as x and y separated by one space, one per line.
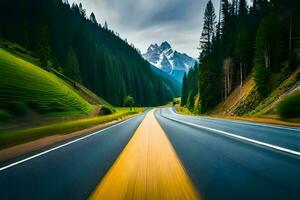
11 138
262 119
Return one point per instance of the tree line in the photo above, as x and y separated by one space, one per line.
63 37
261 39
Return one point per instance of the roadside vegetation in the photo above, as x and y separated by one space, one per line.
256 119
247 105
289 107
36 102
14 137
249 56
129 102
28 92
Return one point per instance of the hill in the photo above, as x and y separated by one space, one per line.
36 103
64 38
24 87
249 61
246 101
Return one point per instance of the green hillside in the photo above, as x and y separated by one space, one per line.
63 37
25 87
246 101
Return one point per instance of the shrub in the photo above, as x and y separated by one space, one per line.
289 107
261 77
105 111
46 107
17 108
4 117
34 105
129 102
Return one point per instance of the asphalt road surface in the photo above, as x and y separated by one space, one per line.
225 167
163 155
70 172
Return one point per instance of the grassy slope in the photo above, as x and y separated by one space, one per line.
269 104
83 91
18 51
247 102
48 94
28 56
23 82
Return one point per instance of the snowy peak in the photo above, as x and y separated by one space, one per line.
165 58
166 65
165 46
153 47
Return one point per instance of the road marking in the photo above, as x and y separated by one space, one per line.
278 148
244 122
148 168
60 146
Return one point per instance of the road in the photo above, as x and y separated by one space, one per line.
70 172
223 167
163 155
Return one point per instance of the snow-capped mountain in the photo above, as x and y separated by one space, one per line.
168 60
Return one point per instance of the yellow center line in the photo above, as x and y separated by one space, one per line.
148 168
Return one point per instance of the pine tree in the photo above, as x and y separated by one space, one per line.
66 2
105 26
208 29
234 7
228 28
93 18
243 11
72 66
184 90
206 85
82 10
44 50
243 48
262 59
242 52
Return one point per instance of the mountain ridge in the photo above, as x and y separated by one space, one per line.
175 63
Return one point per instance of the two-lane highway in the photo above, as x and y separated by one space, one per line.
163 155
225 167
68 171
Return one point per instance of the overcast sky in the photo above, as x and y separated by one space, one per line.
144 22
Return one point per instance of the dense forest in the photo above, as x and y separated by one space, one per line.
64 38
261 40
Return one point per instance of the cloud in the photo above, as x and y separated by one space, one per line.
144 22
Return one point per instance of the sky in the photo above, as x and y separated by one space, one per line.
145 22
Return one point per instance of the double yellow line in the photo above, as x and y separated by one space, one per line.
148 168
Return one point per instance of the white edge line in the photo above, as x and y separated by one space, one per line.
245 122
296 153
60 146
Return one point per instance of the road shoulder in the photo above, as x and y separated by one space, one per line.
267 120
35 145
